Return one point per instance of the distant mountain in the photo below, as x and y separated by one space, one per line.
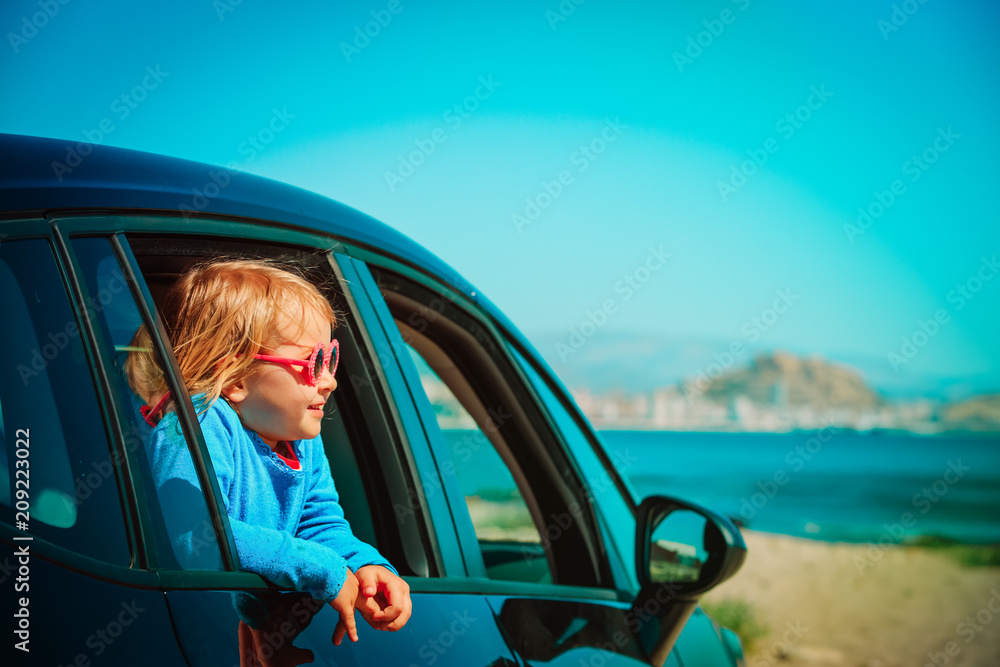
981 413
783 379
648 381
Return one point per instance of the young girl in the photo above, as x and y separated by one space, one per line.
254 346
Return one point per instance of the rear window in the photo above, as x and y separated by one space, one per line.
57 475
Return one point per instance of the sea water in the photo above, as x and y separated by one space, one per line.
834 485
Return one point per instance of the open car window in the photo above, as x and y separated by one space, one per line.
524 497
507 534
355 437
606 482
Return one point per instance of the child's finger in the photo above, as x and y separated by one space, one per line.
368 582
347 618
369 604
399 621
392 626
339 632
396 591
402 607
387 614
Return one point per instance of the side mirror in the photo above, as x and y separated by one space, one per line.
685 546
682 550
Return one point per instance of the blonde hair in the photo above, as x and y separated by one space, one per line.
218 316
144 373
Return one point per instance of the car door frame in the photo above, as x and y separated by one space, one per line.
475 578
439 545
62 564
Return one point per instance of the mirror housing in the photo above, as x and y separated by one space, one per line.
682 550
699 562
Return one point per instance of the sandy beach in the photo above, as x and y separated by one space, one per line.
854 605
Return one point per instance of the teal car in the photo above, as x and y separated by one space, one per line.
456 451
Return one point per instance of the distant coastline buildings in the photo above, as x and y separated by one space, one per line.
775 393
780 392
669 409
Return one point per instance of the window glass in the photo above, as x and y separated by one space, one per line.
57 469
508 537
182 527
615 515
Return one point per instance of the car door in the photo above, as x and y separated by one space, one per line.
79 587
702 641
531 525
224 616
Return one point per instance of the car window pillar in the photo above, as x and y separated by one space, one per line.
433 499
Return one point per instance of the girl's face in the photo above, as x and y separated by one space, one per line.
276 402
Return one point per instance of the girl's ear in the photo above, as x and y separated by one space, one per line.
236 392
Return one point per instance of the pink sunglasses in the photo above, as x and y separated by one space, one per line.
324 355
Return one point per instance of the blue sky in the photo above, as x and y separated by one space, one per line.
869 97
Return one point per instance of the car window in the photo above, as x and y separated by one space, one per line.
508 537
352 439
57 475
177 513
521 494
614 511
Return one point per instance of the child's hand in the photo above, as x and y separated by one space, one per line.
344 605
385 598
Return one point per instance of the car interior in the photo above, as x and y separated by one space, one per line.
359 480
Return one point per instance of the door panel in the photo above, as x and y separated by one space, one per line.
61 483
75 619
289 628
701 644
574 632
221 624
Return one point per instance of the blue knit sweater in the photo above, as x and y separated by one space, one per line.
287 524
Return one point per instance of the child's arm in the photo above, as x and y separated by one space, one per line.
323 518
277 555
289 561
274 554
385 602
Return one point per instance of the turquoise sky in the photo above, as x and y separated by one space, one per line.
691 90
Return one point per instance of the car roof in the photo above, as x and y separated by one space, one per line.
107 178
37 175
